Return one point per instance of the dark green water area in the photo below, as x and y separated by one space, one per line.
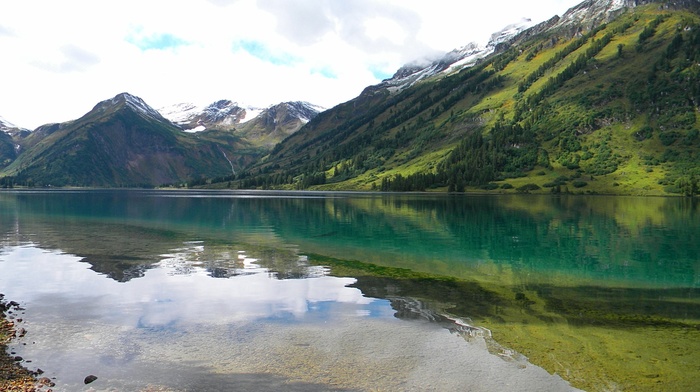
601 291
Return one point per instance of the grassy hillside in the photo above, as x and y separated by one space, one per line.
610 110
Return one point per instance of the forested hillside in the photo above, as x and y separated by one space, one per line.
605 108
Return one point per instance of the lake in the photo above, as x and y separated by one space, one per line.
243 290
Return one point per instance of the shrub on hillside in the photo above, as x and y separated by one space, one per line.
528 187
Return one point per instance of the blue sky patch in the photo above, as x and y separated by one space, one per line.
264 53
380 73
326 72
157 41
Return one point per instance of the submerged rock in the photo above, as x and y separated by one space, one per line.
90 379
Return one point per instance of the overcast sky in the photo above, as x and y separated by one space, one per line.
60 58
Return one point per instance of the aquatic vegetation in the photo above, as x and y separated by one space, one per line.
598 338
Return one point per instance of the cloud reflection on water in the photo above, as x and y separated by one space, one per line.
166 296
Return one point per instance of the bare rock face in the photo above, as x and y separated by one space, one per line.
592 13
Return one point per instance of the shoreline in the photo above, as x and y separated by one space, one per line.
349 191
14 377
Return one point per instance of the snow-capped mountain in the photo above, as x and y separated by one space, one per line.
453 61
302 110
223 114
122 141
271 125
227 115
125 99
12 130
583 16
593 12
4 124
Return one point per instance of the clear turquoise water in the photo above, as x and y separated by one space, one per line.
117 282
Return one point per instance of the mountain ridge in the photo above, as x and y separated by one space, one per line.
452 61
227 115
122 141
193 118
552 108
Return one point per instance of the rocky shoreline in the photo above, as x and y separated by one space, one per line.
13 376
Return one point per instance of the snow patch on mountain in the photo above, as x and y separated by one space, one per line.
592 12
198 128
227 114
251 113
4 124
509 32
303 110
12 129
467 56
180 112
453 61
220 114
135 103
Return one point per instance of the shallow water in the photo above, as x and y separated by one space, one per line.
208 290
177 328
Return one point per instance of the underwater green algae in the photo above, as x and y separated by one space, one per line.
597 338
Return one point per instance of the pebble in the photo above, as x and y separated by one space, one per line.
46 381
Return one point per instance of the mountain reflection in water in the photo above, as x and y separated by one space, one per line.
178 327
324 291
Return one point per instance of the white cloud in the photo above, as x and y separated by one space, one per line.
61 58
70 58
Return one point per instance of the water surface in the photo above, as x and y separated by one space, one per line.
311 291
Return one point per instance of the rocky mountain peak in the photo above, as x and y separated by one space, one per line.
509 32
273 124
12 129
452 61
591 13
226 114
5 124
222 114
302 110
131 101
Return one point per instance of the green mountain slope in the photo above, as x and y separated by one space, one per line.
123 142
7 149
598 108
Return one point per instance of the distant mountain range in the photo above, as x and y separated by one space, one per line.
123 142
260 126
